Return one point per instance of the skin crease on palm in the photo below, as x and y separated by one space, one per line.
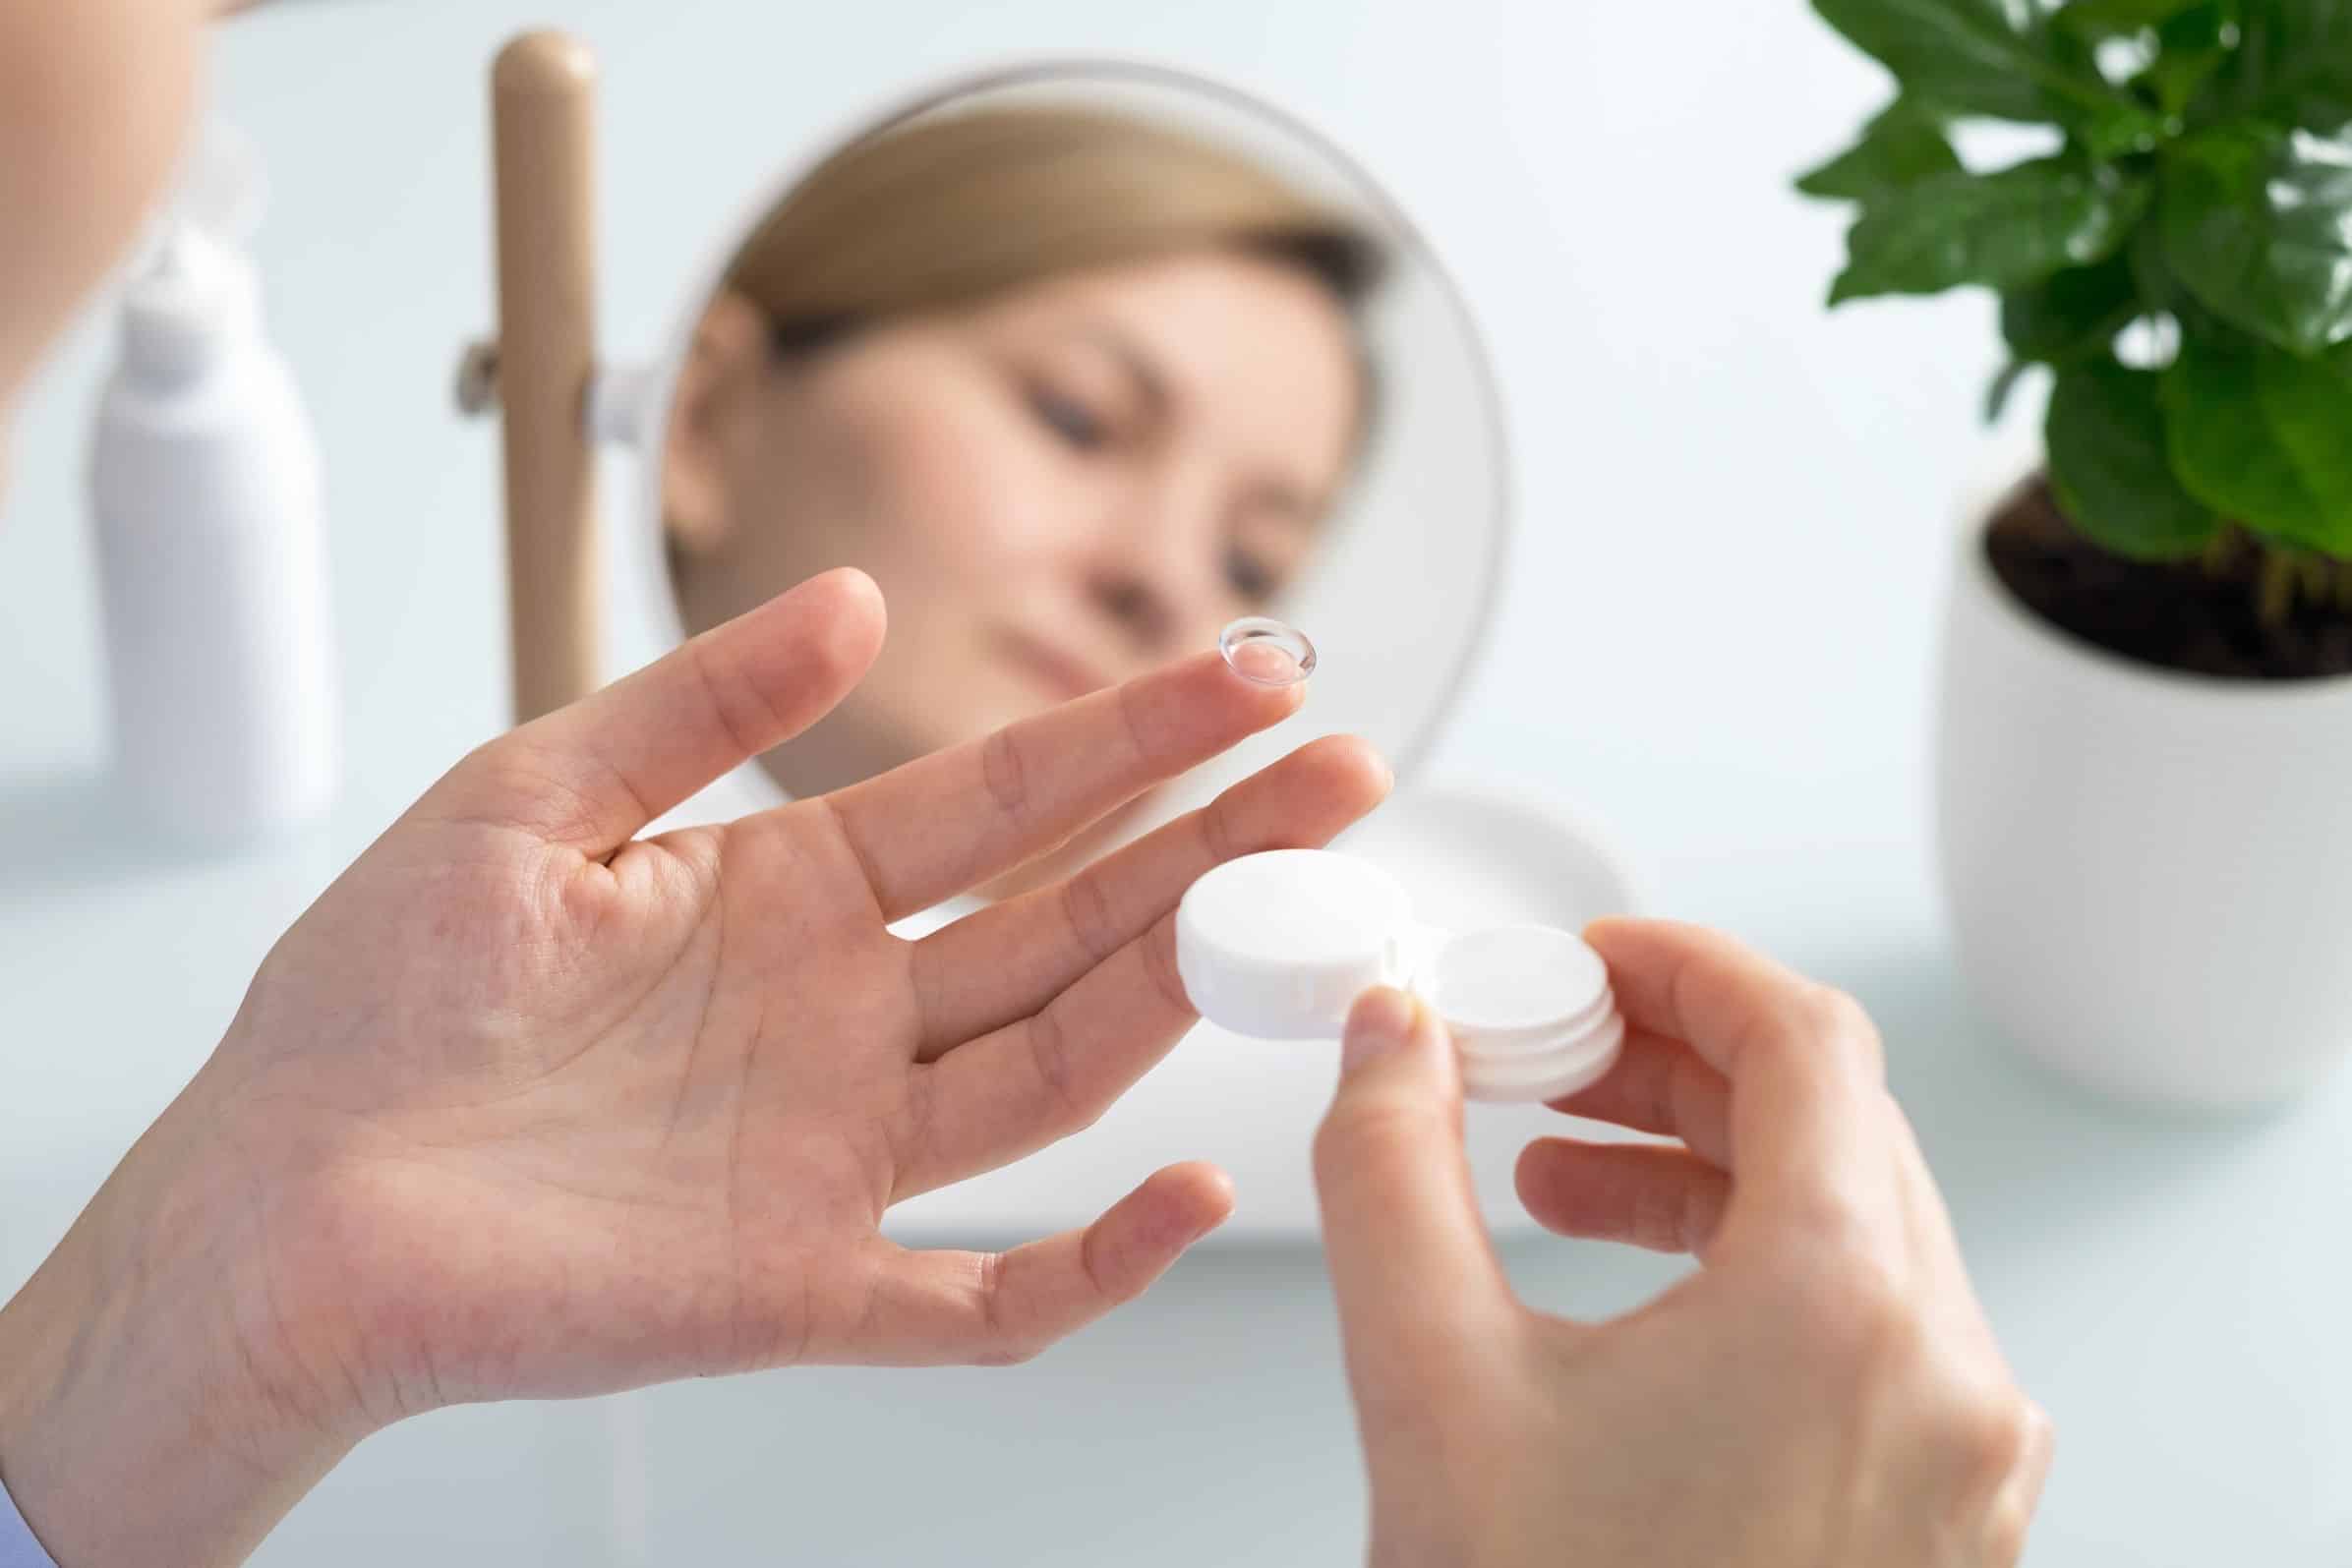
526 1106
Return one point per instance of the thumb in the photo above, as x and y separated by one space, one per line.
1409 1251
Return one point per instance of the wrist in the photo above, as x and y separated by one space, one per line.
146 1411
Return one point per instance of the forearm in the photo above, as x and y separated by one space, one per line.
135 1424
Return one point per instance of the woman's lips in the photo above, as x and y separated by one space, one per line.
1066 675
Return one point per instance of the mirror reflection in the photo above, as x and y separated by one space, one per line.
1078 380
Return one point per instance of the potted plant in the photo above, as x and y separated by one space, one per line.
2144 770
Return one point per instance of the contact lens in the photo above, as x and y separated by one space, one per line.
1267 651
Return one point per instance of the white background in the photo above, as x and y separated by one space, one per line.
1735 528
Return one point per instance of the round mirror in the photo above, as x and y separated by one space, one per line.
1081 364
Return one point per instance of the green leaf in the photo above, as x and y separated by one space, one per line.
2190 48
2115 128
2004 230
2266 438
2293 64
2328 109
2258 226
2161 292
2123 132
1905 144
1989 57
2109 469
2118 16
2071 315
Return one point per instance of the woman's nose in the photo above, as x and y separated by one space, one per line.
1136 606
1155 570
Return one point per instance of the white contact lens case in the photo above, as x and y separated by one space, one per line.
1279 945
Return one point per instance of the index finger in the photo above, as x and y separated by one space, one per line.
1807 1081
953 820
591 776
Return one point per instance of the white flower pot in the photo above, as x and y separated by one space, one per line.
2148 874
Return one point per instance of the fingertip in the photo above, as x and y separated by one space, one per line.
851 582
1644 956
1382 1022
1640 939
1356 767
1206 1187
1613 932
855 613
1535 1179
1140 1237
820 636
1181 1205
1270 700
1214 1184
1217 1204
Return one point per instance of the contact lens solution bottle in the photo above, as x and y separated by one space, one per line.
208 515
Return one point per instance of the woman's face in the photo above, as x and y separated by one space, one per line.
1056 489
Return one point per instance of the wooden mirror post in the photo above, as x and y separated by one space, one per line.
542 105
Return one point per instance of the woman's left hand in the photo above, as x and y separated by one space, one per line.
526 1106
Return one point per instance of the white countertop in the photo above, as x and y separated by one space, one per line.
1735 515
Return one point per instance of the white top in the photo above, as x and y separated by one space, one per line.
1512 979
1279 945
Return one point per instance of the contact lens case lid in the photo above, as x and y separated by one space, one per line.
1278 946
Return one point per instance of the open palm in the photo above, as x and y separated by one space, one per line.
546 1109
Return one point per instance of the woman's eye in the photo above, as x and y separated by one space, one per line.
1252 576
1069 419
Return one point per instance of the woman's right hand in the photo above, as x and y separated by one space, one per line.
1826 1391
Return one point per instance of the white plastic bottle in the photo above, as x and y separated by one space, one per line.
208 509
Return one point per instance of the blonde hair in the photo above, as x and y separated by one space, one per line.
948 208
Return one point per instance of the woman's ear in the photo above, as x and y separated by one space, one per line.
715 388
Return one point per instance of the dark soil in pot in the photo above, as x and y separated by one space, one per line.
2198 617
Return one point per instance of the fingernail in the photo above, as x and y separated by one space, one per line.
1382 1022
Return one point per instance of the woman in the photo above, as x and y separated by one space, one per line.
1075 388
525 1105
